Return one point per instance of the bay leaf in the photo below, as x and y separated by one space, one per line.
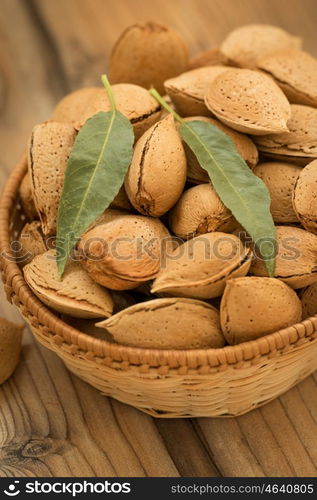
95 172
241 191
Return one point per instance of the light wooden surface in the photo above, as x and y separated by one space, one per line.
51 423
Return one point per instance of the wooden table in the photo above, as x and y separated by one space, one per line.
51 423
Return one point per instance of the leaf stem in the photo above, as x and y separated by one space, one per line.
108 88
164 104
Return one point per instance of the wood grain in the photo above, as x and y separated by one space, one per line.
51 423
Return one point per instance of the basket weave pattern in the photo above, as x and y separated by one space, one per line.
164 383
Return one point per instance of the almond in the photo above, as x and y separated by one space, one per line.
295 71
187 90
253 307
300 143
10 347
200 267
245 146
211 57
304 197
49 150
309 301
125 252
26 198
157 174
200 211
280 179
76 294
248 101
133 101
168 323
147 55
296 258
246 45
32 242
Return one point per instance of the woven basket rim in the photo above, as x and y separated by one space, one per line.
228 355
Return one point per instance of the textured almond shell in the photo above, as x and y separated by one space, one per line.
200 267
133 101
49 149
309 301
32 242
252 307
157 174
200 211
248 101
246 45
168 323
125 252
108 215
10 347
187 90
295 71
299 142
211 57
245 146
147 55
305 196
76 294
26 198
280 179
296 259
121 201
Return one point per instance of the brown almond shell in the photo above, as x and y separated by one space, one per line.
200 267
295 71
76 294
157 174
305 195
246 45
248 101
296 257
252 307
147 55
167 323
280 179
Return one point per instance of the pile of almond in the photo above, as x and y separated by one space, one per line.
207 286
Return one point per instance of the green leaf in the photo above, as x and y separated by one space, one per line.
96 168
240 190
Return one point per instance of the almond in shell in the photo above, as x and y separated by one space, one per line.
126 252
246 45
280 179
299 144
211 57
49 150
200 267
296 257
200 211
32 242
305 195
157 174
252 307
147 55
168 323
309 301
248 101
76 294
26 198
295 71
132 101
245 146
187 90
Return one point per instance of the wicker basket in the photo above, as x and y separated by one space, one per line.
164 383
